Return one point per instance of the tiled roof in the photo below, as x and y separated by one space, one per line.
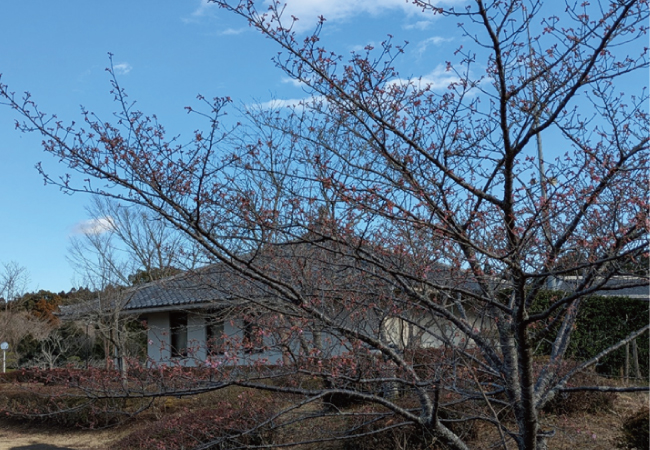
209 285
622 286
309 269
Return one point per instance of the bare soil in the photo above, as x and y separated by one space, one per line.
15 436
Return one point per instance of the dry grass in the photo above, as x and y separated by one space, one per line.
594 431
598 431
41 437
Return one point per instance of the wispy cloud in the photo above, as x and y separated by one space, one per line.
432 41
122 68
439 78
93 226
358 48
293 81
419 25
234 31
308 11
283 103
204 8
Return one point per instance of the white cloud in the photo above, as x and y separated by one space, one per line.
203 8
419 25
435 41
439 78
361 48
282 103
122 68
293 81
308 11
234 31
93 226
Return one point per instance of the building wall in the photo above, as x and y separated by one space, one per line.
158 339
196 337
159 343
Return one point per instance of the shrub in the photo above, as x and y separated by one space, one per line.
589 402
54 408
228 424
635 431
54 397
577 402
407 437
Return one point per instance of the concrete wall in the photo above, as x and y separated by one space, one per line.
158 339
395 331
159 343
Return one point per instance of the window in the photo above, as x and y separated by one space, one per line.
214 330
253 338
178 328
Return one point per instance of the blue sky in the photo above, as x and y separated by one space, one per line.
166 52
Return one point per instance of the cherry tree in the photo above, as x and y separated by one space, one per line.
410 229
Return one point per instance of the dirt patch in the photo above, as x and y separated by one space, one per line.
29 437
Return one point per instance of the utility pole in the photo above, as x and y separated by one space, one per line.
546 224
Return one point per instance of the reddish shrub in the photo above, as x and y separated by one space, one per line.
227 424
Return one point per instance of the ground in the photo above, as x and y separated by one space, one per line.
26 437
29 437
598 431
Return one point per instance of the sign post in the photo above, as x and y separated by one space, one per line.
4 346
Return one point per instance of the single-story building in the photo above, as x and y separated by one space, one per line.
213 315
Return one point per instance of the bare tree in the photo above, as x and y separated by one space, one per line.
53 348
401 220
17 325
14 279
121 245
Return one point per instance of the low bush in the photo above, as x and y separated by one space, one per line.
64 376
635 431
403 438
225 425
572 403
577 402
54 408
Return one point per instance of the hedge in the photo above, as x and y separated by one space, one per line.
602 322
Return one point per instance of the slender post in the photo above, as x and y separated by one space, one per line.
546 225
4 346
635 360
627 361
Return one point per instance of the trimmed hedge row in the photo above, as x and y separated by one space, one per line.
602 322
